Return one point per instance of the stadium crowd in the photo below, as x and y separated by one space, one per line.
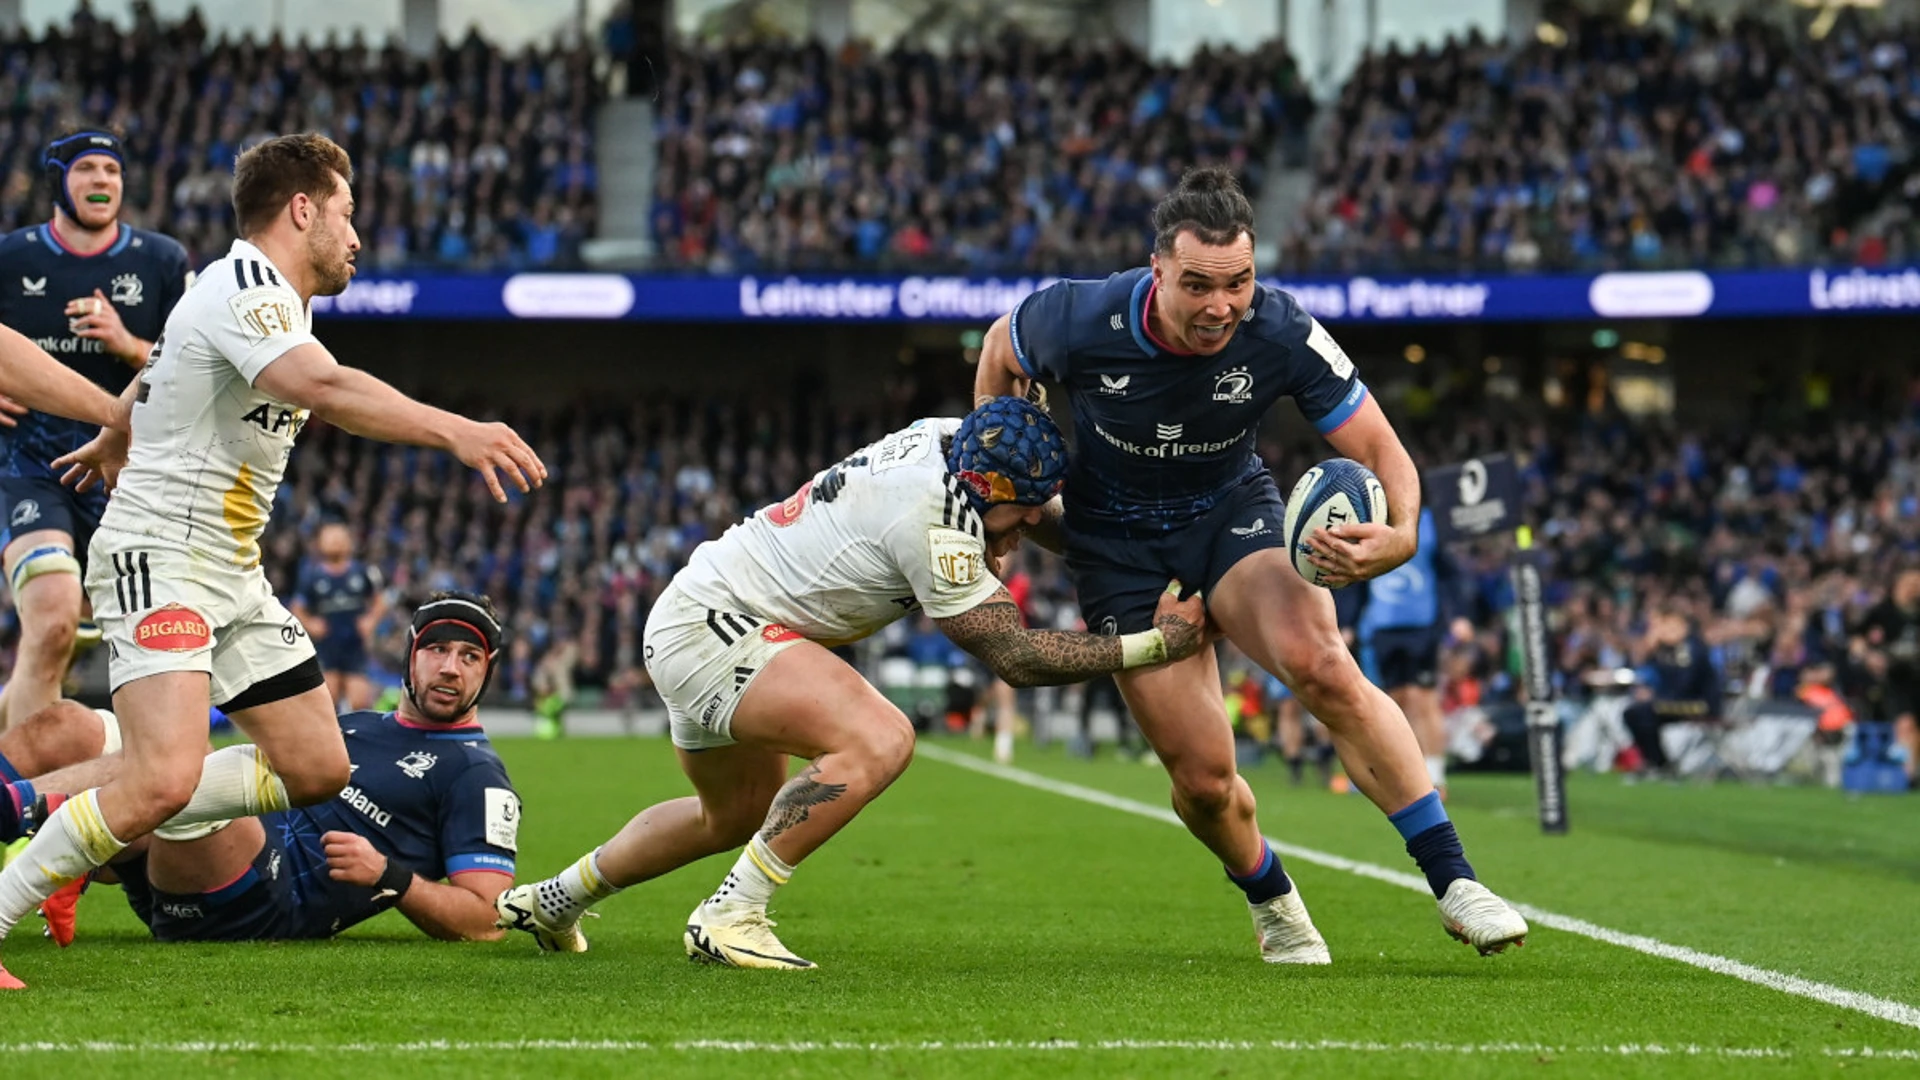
1776 544
1019 157
472 157
1701 143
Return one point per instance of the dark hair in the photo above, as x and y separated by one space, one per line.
1208 203
269 174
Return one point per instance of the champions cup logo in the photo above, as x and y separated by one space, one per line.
173 628
1473 482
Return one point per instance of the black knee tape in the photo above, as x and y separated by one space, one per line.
292 682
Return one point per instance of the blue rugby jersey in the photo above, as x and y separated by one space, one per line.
1161 436
435 800
143 275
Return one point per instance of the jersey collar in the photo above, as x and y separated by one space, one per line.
243 253
1141 307
122 236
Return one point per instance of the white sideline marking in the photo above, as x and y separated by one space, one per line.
732 1046
1880 1008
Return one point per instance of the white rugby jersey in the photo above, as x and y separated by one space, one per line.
208 449
887 531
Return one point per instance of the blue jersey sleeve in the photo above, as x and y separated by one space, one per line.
1041 328
480 821
1321 377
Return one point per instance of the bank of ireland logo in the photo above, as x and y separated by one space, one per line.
1168 432
128 290
1235 387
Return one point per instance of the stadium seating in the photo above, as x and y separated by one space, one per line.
473 157
1710 145
1023 157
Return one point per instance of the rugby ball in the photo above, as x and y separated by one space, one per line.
1339 491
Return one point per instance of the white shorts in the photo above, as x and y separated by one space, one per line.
163 609
703 660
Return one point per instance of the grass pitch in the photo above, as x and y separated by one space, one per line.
971 926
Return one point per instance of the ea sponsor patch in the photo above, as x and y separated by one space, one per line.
173 628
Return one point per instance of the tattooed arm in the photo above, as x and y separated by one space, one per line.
1024 657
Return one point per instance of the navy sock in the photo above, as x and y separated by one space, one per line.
1267 881
1432 842
8 774
15 800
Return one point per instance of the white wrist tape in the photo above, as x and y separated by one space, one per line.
1144 648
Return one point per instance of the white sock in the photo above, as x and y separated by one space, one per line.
236 782
752 880
1437 769
567 895
69 846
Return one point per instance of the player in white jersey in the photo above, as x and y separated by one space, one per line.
174 570
738 647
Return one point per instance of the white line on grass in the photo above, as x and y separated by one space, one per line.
938 1046
1881 1008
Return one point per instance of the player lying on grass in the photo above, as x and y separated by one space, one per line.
174 571
429 800
738 647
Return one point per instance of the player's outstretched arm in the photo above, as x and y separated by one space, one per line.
38 381
308 376
462 911
1024 657
998 373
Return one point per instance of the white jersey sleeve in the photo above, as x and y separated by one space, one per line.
267 321
946 566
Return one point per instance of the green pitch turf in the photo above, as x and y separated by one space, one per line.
970 926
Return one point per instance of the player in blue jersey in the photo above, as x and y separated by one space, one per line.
339 599
1400 628
429 802
1169 369
93 292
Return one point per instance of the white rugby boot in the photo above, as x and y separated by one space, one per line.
1472 914
519 909
1286 932
737 936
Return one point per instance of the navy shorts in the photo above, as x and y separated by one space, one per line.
1407 656
38 502
345 652
1119 578
263 905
